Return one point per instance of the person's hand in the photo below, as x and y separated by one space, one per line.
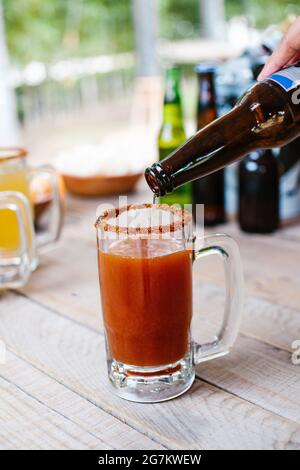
288 52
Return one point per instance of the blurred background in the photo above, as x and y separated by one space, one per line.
65 55
77 73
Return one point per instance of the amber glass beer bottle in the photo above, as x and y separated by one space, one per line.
172 133
259 192
266 116
210 189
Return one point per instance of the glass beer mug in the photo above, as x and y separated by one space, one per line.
18 242
145 256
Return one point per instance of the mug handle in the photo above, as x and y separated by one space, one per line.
53 232
227 248
26 253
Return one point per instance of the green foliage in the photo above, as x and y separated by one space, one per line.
49 30
263 12
179 19
52 29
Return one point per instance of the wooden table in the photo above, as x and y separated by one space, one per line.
53 387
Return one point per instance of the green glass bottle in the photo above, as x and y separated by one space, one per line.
172 133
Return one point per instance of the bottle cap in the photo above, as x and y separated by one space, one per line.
206 68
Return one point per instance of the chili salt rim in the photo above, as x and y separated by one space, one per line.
103 220
12 153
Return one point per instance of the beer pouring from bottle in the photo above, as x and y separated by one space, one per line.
266 116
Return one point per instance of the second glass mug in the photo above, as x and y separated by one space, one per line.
19 244
145 257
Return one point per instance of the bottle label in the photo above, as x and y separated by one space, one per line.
288 78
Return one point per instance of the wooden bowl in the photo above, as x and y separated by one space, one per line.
101 185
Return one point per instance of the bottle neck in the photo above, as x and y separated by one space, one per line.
261 119
172 86
210 149
172 111
207 111
207 94
172 114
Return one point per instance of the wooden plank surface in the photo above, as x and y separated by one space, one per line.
206 417
56 360
39 394
29 424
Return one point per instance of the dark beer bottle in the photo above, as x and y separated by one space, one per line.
266 116
172 133
210 189
259 192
